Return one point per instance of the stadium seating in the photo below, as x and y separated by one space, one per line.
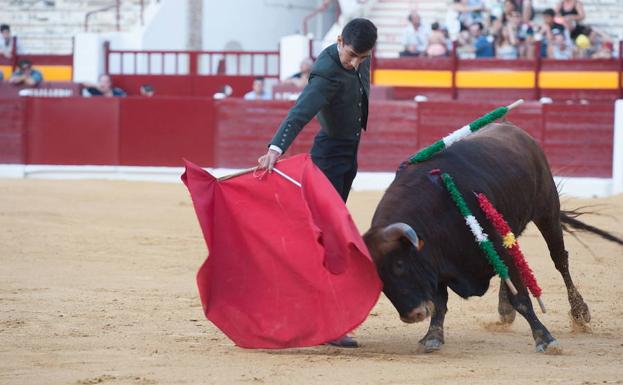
47 27
391 18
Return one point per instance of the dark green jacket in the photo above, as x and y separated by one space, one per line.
338 96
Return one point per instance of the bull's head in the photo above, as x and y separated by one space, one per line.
409 279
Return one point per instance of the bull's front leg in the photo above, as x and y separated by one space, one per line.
543 340
433 340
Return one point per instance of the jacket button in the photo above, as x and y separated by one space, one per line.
359 119
359 104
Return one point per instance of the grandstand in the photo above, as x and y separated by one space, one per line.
391 18
48 27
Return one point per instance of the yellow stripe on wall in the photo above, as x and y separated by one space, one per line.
51 73
55 73
579 79
413 78
495 79
6 71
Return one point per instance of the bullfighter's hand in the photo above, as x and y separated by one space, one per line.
268 160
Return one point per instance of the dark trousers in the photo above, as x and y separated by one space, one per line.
337 158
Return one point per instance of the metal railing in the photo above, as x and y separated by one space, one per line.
204 63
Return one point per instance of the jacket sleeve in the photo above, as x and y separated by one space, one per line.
316 95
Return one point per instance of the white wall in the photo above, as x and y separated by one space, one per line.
253 24
167 28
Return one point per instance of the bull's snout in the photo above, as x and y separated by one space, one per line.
418 314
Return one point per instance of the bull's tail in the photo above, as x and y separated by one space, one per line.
569 220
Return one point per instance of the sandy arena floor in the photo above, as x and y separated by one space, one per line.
97 286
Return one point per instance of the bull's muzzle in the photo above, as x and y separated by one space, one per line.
419 314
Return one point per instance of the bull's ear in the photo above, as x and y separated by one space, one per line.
420 244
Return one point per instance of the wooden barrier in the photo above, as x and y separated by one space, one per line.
232 133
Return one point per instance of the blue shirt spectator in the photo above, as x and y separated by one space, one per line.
258 92
483 45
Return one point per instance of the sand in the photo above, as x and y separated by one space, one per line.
97 286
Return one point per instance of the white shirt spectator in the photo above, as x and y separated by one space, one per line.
252 95
415 38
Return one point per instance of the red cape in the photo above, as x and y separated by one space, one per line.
287 265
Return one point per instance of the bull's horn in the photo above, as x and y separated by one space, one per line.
395 231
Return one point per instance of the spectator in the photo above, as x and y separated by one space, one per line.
259 92
483 46
525 9
572 11
147 90
224 92
437 45
26 75
470 12
547 30
104 87
559 47
6 41
523 34
415 36
601 46
506 44
301 78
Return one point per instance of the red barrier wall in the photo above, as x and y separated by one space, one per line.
12 114
72 131
160 131
187 86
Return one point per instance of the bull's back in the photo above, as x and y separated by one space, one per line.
500 160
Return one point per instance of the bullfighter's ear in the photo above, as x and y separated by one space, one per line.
420 244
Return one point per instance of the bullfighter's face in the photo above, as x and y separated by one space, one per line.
409 281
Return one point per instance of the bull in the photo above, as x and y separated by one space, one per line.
421 245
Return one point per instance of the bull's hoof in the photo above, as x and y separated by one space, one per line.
580 314
508 318
553 347
430 345
507 312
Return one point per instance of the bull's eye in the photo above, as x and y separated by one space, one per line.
398 267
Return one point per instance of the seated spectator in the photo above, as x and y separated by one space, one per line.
258 92
506 44
301 78
147 90
6 41
559 47
223 93
523 35
524 7
483 45
547 30
104 87
437 45
414 37
26 75
470 12
601 45
572 13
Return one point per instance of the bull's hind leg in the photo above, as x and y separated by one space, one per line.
433 340
551 230
543 340
505 308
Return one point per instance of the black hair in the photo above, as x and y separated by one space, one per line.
549 12
4 27
147 87
434 26
260 78
23 63
360 34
